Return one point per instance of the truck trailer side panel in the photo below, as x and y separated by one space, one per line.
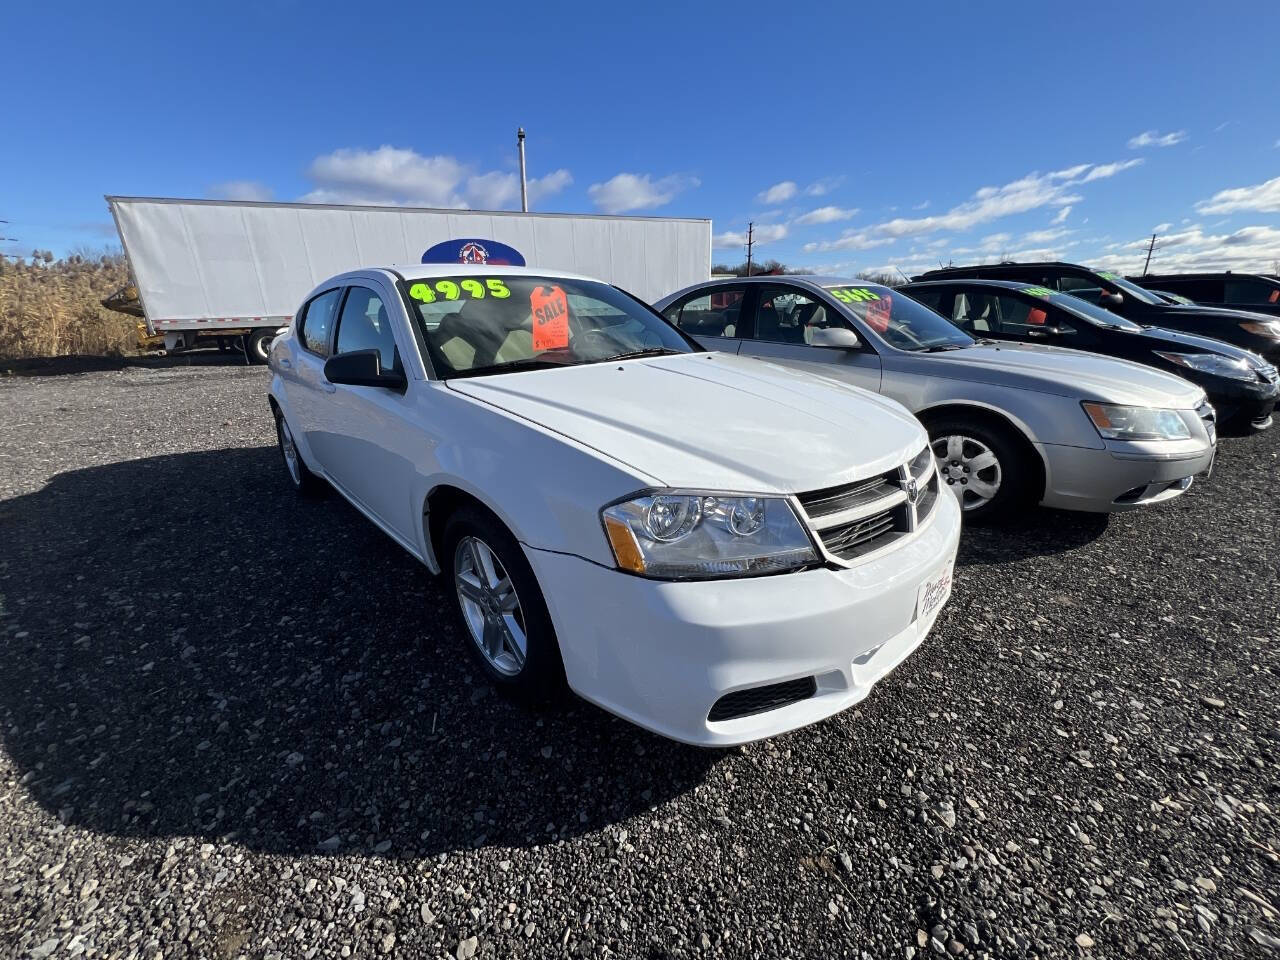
207 265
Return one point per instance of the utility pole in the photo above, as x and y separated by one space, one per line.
750 240
524 186
1150 250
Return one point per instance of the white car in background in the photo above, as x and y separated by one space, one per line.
713 548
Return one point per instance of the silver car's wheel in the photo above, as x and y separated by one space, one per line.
969 468
289 451
490 606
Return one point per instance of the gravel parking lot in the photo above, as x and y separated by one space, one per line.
233 723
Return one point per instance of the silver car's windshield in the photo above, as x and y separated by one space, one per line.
476 324
899 320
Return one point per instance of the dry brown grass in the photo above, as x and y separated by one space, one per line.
53 309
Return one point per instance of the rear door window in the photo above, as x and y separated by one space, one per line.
1250 290
712 313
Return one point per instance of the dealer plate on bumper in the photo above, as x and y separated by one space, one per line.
933 594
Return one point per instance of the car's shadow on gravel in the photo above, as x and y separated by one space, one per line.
62 366
190 650
1035 533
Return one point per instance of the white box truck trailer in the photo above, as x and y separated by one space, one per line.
228 268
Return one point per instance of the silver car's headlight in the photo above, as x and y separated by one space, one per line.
1116 422
689 534
1214 363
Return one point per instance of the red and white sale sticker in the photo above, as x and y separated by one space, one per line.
878 313
550 309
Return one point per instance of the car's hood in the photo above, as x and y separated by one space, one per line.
1161 338
1195 311
713 421
1064 372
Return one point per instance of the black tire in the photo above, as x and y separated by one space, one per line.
303 481
257 344
540 676
1013 472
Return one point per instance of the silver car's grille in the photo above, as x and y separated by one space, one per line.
859 518
1267 372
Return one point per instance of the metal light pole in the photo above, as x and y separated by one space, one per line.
524 186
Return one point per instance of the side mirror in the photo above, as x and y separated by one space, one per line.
835 338
363 368
1112 299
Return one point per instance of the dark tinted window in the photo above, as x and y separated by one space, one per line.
1249 290
317 322
931 298
1200 289
978 311
364 325
711 314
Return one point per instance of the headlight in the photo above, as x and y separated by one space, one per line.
1263 328
1115 422
687 535
1214 363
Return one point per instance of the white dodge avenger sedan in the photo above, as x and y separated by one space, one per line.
714 548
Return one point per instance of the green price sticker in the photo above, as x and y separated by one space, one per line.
853 294
470 287
1043 292
1108 276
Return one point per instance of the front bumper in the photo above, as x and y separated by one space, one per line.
661 654
1121 476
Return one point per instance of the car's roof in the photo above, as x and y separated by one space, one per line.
1200 276
819 280
994 267
1003 284
420 271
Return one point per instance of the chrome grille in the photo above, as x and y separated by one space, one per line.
1268 373
824 503
858 518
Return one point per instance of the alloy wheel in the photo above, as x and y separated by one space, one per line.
289 451
969 467
490 606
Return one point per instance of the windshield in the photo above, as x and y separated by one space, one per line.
476 324
899 320
1085 310
1132 289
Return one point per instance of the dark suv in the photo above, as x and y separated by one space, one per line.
1253 331
1236 291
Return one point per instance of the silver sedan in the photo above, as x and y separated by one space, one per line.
1011 424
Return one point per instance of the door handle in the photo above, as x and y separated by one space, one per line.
328 387
285 363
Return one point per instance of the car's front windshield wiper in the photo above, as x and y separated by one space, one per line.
524 363
942 347
986 342
647 352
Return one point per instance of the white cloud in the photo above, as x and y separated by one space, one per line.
849 240
1154 138
1261 197
241 190
1063 213
778 193
820 188
923 205
1161 227
635 191
765 233
828 215
398 176
1247 250
391 175
496 190
1110 169
1045 236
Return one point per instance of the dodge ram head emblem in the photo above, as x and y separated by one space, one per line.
913 491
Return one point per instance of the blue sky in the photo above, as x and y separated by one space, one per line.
900 136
